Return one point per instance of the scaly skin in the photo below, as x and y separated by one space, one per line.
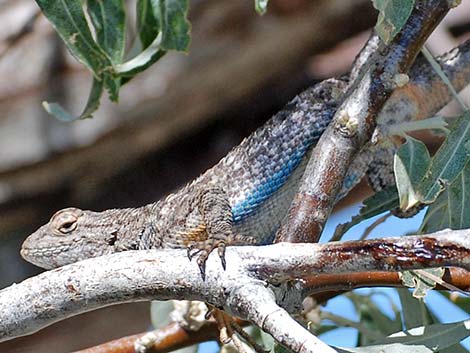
244 198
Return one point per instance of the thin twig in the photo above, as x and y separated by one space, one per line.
435 65
248 338
377 222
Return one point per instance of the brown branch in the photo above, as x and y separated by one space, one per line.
318 285
354 123
440 249
170 338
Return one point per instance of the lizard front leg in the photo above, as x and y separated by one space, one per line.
216 212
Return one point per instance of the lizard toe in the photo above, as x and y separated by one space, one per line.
202 249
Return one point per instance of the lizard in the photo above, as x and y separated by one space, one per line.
243 198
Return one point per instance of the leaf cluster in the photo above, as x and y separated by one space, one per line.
94 32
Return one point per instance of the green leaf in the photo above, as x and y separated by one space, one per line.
387 348
109 20
448 161
420 282
278 348
436 217
393 15
142 61
163 26
92 105
69 20
372 318
438 70
267 340
459 200
261 6
410 165
452 207
148 24
172 14
455 348
378 203
414 311
437 124
168 17
435 337
324 329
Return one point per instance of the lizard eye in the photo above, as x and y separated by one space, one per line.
67 227
65 221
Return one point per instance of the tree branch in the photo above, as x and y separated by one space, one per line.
318 285
322 287
168 274
170 338
354 124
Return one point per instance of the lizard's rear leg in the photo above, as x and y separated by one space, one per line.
216 212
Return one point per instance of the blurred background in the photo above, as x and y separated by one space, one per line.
173 121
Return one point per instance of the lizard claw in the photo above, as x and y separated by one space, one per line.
193 250
201 262
202 250
221 252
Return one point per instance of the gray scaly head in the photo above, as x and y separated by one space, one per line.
73 234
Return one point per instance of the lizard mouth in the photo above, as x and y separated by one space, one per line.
47 258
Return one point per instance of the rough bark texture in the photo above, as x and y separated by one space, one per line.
168 274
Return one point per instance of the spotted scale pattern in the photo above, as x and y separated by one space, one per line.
260 175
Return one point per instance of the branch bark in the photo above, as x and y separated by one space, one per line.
354 124
168 274
321 287
170 338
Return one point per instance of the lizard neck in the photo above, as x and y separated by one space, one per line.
133 227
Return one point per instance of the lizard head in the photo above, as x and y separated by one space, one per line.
72 235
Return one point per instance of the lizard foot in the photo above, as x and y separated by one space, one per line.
202 249
230 332
216 212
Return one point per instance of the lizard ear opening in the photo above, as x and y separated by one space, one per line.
65 221
112 238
